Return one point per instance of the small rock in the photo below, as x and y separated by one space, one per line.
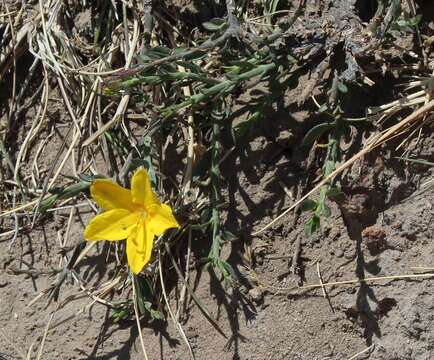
191 333
375 239
285 138
339 253
256 294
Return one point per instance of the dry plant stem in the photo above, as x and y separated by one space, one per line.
30 134
125 22
324 294
14 74
423 268
23 88
297 250
36 172
8 13
118 115
10 232
30 352
47 46
410 136
68 105
44 337
79 258
37 297
96 73
66 207
355 356
104 144
172 315
207 315
122 107
396 103
48 184
16 224
139 328
76 136
84 253
190 150
14 64
182 297
355 281
20 36
103 291
378 140
45 107
12 344
68 227
18 208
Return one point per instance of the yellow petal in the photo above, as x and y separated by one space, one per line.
114 224
141 189
139 247
160 218
110 195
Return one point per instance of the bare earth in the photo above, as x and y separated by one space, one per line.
381 226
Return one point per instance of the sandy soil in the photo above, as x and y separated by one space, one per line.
382 225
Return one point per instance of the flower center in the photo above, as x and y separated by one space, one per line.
143 213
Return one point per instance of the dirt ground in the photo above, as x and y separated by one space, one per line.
382 225
395 317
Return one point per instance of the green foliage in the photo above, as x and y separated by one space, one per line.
406 23
336 129
220 236
396 21
417 161
316 132
215 25
211 83
65 193
144 291
215 72
319 208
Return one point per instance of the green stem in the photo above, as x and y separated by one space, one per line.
215 192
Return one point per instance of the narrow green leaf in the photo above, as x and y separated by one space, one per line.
312 225
214 25
329 167
416 161
316 132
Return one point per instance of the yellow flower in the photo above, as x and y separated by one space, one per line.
136 215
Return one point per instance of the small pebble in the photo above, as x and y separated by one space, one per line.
256 294
339 253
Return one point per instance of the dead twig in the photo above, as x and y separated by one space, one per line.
355 281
